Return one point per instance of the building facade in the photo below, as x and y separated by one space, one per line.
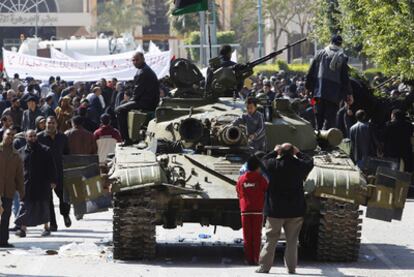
53 18
65 18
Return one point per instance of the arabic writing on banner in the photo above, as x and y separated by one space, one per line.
73 70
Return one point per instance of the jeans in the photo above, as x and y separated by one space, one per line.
16 204
325 114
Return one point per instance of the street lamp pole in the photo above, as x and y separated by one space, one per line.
37 18
260 27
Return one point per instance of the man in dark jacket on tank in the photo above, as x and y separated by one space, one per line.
328 81
145 98
285 203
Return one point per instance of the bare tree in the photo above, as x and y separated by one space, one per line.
244 24
304 11
280 13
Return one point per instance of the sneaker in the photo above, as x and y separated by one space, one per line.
53 228
6 245
21 233
45 233
67 220
262 270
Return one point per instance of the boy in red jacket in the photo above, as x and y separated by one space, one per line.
251 188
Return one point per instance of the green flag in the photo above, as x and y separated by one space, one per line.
189 6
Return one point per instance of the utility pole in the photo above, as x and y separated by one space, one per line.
37 18
203 58
213 28
260 28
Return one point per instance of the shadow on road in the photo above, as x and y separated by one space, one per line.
25 275
201 255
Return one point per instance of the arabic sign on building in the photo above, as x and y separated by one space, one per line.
45 19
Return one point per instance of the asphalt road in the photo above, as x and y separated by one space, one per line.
387 250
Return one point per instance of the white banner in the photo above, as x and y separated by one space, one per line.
125 55
72 70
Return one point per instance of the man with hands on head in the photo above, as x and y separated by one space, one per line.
285 204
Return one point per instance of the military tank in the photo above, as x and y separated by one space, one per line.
186 169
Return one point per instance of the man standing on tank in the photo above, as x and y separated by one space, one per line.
328 81
225 61
145 98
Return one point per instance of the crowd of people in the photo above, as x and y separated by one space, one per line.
41 122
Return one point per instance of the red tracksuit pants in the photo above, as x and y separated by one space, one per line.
252 236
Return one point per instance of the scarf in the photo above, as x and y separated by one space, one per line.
336 53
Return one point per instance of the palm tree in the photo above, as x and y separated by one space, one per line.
119 17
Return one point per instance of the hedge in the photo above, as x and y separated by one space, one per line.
271 69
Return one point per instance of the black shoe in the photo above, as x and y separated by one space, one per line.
21 233
46 233
53 228
127 142
67 220
14 229
6 245
79 217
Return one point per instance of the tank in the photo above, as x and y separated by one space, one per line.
186 169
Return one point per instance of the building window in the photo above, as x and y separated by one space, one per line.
28 6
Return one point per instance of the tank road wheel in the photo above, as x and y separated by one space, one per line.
339 232
133 224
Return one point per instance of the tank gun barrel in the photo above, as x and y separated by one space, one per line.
274 54
231 135
243 71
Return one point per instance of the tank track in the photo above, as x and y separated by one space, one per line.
133 224
339 232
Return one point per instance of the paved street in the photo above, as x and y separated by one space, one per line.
387 250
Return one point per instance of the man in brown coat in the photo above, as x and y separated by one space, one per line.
11 180
80 141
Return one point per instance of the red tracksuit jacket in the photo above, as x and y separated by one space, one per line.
251 188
